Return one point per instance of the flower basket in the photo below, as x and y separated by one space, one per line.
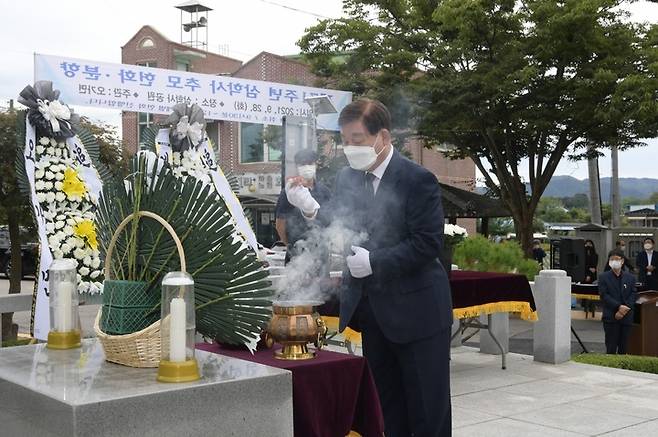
141 348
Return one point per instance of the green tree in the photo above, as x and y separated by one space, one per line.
112 154
501 80
14 208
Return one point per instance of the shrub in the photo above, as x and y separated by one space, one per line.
628 362
479 254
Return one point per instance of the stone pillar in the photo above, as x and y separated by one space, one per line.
552 332
500 329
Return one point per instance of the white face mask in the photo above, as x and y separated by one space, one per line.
648 246
615 264
362 157
307 171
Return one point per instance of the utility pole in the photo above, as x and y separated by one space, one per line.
614 189
594 190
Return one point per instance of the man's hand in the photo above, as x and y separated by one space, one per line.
619 315
623 309
301 198
650 268
359 263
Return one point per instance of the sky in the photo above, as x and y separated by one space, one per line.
96 30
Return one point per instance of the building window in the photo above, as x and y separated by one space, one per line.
146 43
182 66
260 143
144 120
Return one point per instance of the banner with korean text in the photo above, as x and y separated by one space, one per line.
156 90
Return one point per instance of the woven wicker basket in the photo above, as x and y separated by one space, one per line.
141 348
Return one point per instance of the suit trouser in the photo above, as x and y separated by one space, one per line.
413 379
616 337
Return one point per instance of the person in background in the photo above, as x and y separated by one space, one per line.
628 266
617 291
537 252
591 263
647 262
290 223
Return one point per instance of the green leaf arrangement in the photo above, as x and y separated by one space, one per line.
232 295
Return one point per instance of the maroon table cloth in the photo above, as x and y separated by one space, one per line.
480 288
471 289
332 393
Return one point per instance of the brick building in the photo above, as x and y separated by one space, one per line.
243 147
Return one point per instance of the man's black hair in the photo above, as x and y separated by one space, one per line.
306 157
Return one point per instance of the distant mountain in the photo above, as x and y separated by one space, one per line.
567 186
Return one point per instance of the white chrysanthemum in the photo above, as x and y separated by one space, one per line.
50 151
58 254
50 227
44 141
39 185
59 225
96 262
40 150
59 196
39 174
48 185
58 152
59 176
86 260
48 215
68 230
79 253
84 271
50 197
53 142
50 175
72 242
65 248
95 274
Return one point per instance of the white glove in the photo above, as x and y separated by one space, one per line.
359 263
300 197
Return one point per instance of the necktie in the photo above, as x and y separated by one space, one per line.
370 189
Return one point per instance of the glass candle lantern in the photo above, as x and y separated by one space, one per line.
63 302
177 329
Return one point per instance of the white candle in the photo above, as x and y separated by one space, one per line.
63 315
177 330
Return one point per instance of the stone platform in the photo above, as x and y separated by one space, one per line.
77 393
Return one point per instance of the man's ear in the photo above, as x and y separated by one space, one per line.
386 136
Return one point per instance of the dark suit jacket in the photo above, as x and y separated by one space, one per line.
615 293
642 261
409 290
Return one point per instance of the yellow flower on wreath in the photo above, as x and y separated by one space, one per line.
72 185
87 231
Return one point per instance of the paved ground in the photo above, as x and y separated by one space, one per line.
528 399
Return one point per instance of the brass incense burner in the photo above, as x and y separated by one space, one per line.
294 324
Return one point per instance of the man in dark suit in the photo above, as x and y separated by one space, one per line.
647 262
617 291
395 290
